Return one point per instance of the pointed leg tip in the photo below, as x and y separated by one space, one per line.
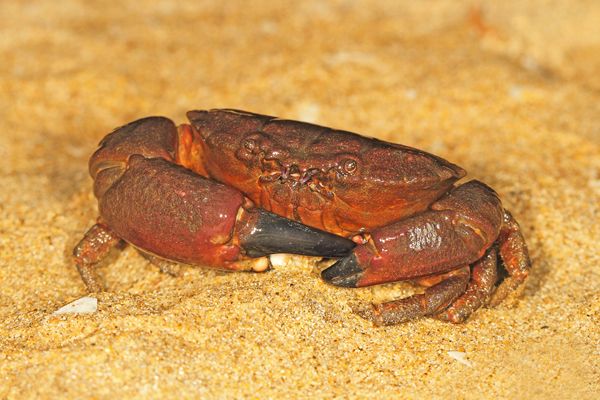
452 316
370 313
345 273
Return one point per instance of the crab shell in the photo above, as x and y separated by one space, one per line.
334 180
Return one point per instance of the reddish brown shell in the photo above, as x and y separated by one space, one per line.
330 179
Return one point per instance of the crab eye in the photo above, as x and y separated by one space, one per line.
249 145
350 166
248 149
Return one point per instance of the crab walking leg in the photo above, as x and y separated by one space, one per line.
479 290
165 266
91 249
514 254
435 298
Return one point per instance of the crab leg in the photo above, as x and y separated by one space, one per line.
91 249
479 290
165 266
434 299
514 254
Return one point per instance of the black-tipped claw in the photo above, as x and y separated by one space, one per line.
346 272
272 234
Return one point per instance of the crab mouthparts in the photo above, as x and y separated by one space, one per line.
314 178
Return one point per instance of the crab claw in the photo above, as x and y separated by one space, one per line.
268 233
456 231
175 214
345 273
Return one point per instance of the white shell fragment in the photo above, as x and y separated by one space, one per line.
279 260
84 305
460 357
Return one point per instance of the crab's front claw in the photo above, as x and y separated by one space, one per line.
171 212
265 233
434 247
451 250
456 231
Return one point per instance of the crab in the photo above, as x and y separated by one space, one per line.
232 187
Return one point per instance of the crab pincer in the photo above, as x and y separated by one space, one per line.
170 212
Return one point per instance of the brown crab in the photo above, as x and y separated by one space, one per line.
233 186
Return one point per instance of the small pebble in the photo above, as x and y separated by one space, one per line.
260 264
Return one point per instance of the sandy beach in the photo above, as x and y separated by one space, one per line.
510 92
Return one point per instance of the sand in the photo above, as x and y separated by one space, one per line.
510 92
